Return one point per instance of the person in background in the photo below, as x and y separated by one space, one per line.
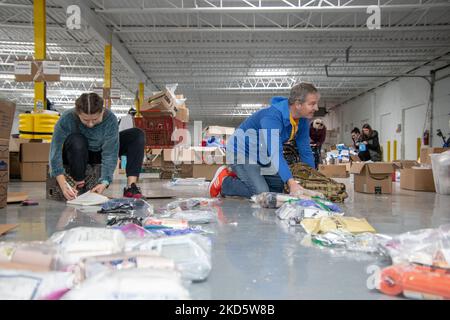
370 139
88 134
317 134
287 119
127 122
356 135
363 153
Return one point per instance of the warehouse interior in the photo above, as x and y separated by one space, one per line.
216 63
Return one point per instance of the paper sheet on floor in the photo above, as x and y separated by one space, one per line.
89 199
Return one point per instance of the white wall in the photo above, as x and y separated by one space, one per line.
383 109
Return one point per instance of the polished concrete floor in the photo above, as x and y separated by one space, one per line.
255 256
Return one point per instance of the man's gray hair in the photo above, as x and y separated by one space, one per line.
300 91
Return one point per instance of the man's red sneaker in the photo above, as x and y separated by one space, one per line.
216 183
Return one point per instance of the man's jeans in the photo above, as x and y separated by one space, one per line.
249 182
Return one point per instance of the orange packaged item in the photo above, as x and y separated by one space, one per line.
416 281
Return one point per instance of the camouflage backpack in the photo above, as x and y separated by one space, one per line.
310 178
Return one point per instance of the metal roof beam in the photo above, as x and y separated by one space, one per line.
106 36
273 9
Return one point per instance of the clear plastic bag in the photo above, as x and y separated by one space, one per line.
425 246
33 256
273 200
308 209
130 206
191 253
27 285
92 266
191 203
195 216
441 172
191 182
131 284
78 243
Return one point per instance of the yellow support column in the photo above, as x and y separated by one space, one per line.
395 150
108 73
141 99
40 101
419 145
389 151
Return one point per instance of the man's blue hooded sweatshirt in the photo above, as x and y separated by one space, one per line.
274 117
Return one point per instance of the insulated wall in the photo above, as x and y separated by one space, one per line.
398 111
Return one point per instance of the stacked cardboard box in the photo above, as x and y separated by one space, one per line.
34 157
182 112
7 110
341 170
372 177
426 151
193 162
417 179
14 157
162 101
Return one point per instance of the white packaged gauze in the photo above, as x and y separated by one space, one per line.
131 284
27 285
82 242
191 253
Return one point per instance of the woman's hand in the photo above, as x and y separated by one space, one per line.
365 142
68 192
100 188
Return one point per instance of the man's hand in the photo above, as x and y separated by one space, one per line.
365 142
68 192
100 188
294 187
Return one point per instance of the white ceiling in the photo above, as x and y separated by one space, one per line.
228 57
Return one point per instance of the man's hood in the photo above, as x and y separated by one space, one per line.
277 99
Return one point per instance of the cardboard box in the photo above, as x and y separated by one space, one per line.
426 151
405 164
417 179
4 178
38 70
182 114
33 171
34 152
355 158
334 170
163 101
4 156
206 171
156 158
14 165
14 144
7 110
372 177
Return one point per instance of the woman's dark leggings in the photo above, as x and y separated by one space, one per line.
76 154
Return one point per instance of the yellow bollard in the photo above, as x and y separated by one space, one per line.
419 145
395 150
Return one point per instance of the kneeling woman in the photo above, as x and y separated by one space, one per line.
89 134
